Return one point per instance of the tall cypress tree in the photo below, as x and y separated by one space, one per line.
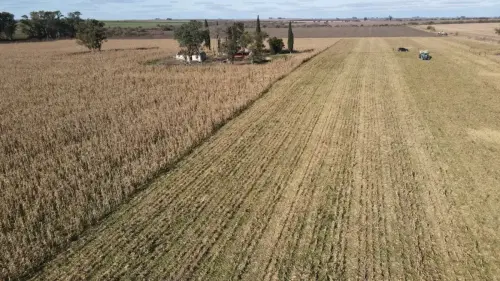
290 37
218 36
258 45
258 25
231 44
207 36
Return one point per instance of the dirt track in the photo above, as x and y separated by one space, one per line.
362 164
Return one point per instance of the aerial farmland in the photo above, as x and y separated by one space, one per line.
344 160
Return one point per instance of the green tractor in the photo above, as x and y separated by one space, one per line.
424 55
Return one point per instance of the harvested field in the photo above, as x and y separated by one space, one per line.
363 164
472 29
81 132
344 22
349 31
481 31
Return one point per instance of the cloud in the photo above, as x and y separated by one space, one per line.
459 2
147 9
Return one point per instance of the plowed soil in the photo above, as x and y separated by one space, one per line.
363 164
349 31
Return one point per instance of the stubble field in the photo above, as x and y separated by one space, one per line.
349 31
363 163
473 30
486 29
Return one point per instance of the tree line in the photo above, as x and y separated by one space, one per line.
8 25
50 25
41 25
231 40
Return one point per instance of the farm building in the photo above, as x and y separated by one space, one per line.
200 57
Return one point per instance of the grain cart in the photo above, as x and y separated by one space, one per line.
424 55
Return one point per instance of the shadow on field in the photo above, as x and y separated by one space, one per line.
298 51
113 50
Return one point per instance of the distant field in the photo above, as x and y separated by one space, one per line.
341 22
470 29
150 23
348 31
336 30
320 32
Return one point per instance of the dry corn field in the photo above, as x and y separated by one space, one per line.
81 132
361 164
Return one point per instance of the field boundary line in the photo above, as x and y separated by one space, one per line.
168 167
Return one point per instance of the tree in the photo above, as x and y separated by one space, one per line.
52 24
207 36
91 34
276 45
8 25
190 37
365 19
390 18
71 23
240 29
257 29
236 38
43 25
28 27
217 32
231 44
290 37
246 39
257 47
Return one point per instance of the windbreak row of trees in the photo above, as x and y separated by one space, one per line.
52 25
41 25
8 25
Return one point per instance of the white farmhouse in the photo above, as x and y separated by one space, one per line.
200 57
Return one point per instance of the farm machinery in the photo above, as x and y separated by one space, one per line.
424 55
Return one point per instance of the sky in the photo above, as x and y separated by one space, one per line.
247 9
